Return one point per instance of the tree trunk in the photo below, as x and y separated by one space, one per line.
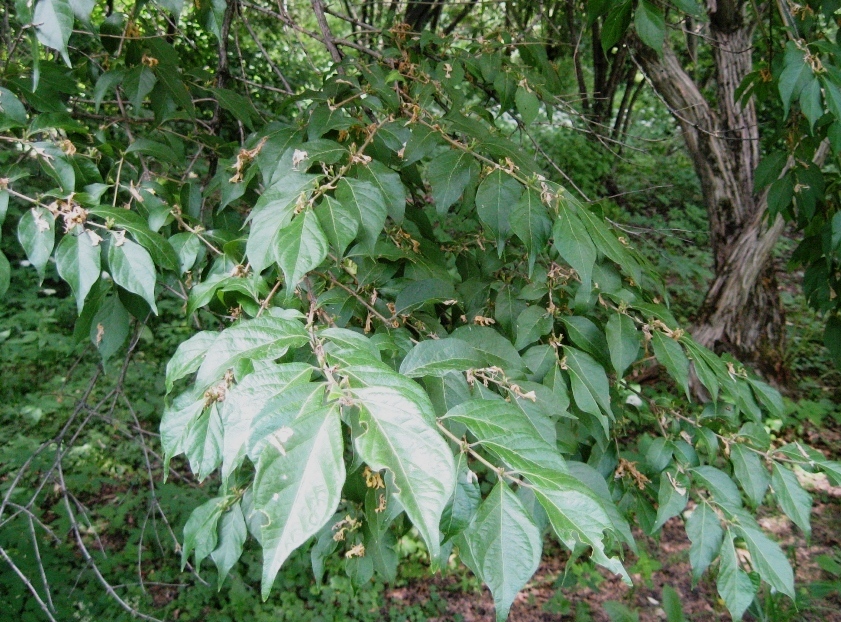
742 312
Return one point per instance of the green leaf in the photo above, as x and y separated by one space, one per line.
768 396
5 275
203 443
78 262
261 339
399 438
109 327
750 472
171 80
810 101
300 247
238 105
54 25
577 516
420 144
12 112
734 585
338 224
617 612
671 356
495 197
200 534
504 547
530 222
188 356
768 560
425 291
795 75
465 501
36 233
137 84
584 334
717 482
367 204
495 349
623 341
704 530
590 388
651 25
158 151
528 105
672 605
508 433
532 323
574 244
232 535
616 24
298 486
794 501
659 453
672 497
449 175
273 211
437 357
258 395
389 184
132 268
158 246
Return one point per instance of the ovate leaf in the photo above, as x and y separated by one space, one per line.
36 233
577 516
338 224
397 437
188 356
503 547
671 356
449 175
200 533
530 222
751 473
263 338
389 184
507 432
298 486
367 204
768 560
465 502
300 247
704 530
795 502
574 244
437 357
78 263
590 388
132 269
495 198
651 25
734 585
231 537
623 341
54 25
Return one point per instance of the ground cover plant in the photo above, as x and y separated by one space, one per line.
397 328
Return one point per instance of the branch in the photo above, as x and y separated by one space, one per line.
329 42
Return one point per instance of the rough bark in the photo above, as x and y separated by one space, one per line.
742 312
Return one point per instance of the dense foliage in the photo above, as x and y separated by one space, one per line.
402 321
